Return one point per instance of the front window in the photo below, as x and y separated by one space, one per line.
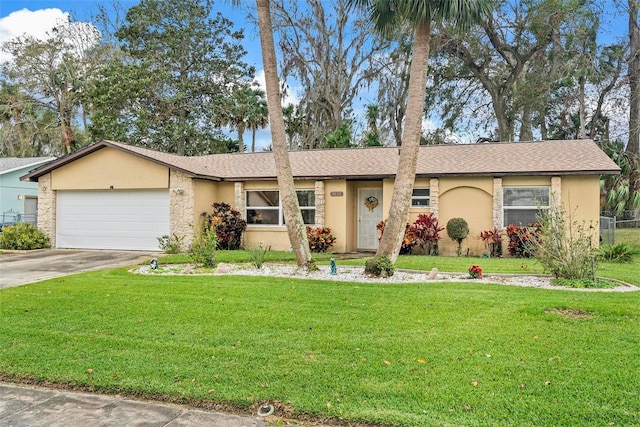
307 202
420 197
523 205
265 208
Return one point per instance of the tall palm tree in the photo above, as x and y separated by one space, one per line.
290 207
258 115
388 16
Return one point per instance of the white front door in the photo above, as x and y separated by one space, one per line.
369 215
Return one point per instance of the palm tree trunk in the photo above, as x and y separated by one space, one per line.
291 209
403 187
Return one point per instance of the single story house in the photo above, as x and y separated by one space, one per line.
19 199
110 195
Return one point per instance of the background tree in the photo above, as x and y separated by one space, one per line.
393 84
244 109
518 61
372 135
295 125
52 74
165 90
332 54
28 128
258 115
388 16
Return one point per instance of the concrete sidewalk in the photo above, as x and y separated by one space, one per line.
22 406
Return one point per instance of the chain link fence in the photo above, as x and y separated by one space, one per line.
10 218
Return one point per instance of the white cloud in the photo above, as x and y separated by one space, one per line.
291 97
34 23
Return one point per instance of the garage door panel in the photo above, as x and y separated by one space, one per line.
130 220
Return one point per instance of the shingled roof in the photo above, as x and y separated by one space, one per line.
570 157
10 164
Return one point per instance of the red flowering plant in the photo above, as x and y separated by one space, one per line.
475 272
427 233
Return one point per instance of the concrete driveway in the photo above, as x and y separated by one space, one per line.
19 268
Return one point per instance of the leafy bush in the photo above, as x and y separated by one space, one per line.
320 238
458 230
620 252
171 244
519 238
228 224
408 241
22 236
493 241
379 267
203 248
564 247
426 232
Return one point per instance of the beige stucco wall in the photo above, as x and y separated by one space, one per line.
581 198
472 200
107 169
336 214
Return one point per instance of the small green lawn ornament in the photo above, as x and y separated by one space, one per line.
334 268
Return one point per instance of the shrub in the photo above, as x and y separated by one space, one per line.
493 241
408 241
170 244
320 238
564 247
620 252
259 254
379 267
475 272
22 236
228 224
520 237
426 232
458 230
203 248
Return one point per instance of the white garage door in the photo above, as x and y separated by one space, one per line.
115 219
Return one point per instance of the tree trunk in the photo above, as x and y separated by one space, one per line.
403 187
505 125
526 126
633 145
582 132
241 139
253 139
293 218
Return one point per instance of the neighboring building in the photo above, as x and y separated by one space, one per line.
110 195
18 199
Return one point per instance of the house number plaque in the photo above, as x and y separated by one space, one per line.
336 194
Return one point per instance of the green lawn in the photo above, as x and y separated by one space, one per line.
403 354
